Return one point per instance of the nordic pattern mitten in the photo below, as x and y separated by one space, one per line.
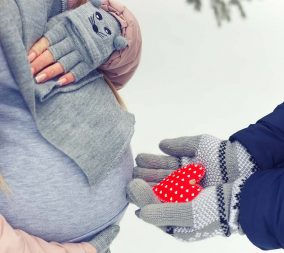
224 161
213 212
84 38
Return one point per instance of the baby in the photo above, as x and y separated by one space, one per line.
52 197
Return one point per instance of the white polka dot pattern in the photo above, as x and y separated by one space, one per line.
181 186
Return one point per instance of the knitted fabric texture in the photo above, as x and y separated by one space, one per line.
88 125
225 161
230 225
228 219
211 215
45 181
215 210
207 213
105 238
84 38
206 216
122 64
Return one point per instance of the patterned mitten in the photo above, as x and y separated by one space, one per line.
83 39
213 212
224 161
104 239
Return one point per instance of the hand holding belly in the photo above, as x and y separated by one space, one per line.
43 65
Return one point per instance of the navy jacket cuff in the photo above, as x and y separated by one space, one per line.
265 139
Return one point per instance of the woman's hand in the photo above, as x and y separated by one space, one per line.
43 65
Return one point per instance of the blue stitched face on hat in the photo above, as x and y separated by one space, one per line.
106 27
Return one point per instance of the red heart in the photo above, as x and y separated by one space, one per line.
182 185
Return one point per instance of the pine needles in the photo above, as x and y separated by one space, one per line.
222 8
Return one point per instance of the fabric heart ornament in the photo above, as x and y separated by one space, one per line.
182 185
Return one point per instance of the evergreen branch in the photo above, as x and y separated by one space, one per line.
221 8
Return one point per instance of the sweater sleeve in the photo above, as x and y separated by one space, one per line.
265 139
262 209
14 240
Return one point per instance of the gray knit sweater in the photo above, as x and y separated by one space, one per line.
51 197
83 120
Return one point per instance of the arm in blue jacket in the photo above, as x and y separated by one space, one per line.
265 139
262 198
262 209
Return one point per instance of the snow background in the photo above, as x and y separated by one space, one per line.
197 78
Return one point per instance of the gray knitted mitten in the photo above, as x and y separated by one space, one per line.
84 38
213 212
224 161
103 240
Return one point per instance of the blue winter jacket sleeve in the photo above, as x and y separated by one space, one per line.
262 209
265 139
262 198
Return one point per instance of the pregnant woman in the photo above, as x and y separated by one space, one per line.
64 151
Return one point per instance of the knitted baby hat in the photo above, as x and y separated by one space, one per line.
122 64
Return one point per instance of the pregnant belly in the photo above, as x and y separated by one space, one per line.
52 199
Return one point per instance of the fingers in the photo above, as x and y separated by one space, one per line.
151 175
66 79
183 146
41 58
140 193
81 70
45 59
53 71
167 214
42 61
154 168
38 48
102 241
49 73
158 162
